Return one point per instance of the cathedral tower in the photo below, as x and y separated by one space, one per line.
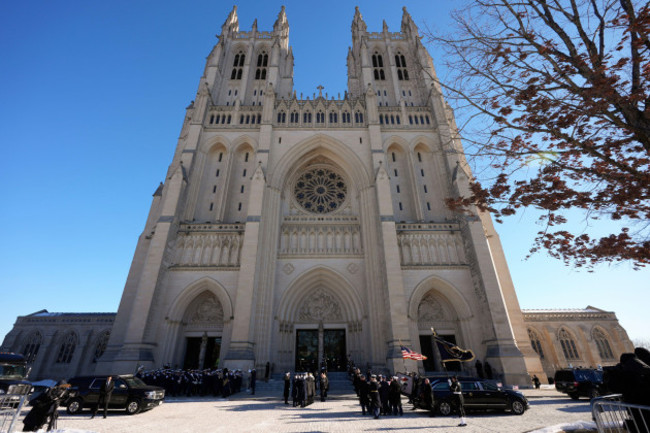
306 231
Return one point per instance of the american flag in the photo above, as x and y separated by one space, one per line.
409 354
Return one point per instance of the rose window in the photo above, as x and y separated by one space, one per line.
320 190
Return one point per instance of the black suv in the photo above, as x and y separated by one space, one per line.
478 394
130 393
580 382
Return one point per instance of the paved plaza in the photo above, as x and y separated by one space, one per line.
265 413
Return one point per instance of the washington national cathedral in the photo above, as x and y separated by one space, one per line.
310 231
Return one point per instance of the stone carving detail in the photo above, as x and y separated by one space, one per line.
353 268
299 239
208 249
288 268
430 309
433 248
319 306
208 310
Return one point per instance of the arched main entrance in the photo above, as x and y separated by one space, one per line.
321 314
438 305
203 330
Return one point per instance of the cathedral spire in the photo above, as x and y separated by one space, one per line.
358 24
281 24
408 25
232 22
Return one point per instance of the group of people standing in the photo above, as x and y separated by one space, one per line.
378 396
303 387
217 382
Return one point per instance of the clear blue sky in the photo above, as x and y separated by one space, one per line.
92 97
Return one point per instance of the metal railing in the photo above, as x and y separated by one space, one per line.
10 407
612 415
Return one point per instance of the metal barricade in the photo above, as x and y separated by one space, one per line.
10 407
612 415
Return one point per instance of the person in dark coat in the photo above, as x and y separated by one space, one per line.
479 369
287 387
384 390
324 386
488 370
536 381
45 408
373 396
395 397
253 380
459 402
426 394
267 371
364 400
105 393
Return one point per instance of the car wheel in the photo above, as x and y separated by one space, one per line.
75 406
517 407
444 408
133 407
574 395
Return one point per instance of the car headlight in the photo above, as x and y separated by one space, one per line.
2 391
150 394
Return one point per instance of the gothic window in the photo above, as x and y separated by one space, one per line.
32 344
358 117
378 66
333 117
294 117
345 117
320 190
536 343
262 63
237 66
100 346
306 117
320 117
282 117
400 63
602 342
568 345
66 350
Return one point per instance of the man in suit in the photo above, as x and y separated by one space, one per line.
105 393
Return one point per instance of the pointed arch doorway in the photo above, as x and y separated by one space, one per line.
202 333
322 316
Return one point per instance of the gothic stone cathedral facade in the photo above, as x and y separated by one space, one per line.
299 231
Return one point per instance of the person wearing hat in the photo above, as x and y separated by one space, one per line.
395 397
375 403
457 391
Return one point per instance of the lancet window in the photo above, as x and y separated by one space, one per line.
67 348
262 63
568 345
237 66
400 63
32 344
378 66
602 342
536 343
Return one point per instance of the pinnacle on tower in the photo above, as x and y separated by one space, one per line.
282 23
358 24
408 25
232 22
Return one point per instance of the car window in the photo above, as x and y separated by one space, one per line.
135 382
469 386
564 376
119 383
97 383
489 386
441 386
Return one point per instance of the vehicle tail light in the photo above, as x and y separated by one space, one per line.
575 384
